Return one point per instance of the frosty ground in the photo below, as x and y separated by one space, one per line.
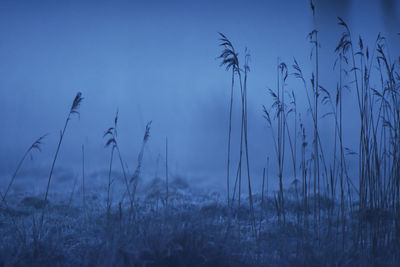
197 228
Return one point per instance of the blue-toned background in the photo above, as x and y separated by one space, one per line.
157 60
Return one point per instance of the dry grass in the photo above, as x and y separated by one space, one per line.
327 217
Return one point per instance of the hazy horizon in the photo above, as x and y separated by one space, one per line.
158 61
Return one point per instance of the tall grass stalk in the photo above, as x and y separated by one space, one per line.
279 138
136 175
112 141
313 36
230 61
83 178
246 70
166 172
35 145
73 110
112 134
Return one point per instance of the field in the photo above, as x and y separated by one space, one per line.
196 229
323 212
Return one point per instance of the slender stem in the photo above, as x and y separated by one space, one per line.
124 174
166 170
55 157
229 136
15 175
83 176
109 183
52 169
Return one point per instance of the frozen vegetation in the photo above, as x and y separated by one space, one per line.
195 229
328 216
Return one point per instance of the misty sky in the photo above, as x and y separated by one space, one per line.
157 60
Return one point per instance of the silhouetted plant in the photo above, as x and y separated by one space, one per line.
112 141
112 133
135 178
279 138
73 110
166 173
230 61
36 145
